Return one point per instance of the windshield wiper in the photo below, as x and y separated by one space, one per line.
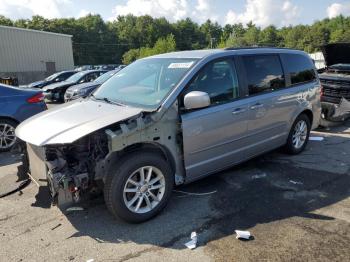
107 100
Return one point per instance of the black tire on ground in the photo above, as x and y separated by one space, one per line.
117 179
290 148
12 124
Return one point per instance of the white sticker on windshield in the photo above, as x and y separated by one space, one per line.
180 65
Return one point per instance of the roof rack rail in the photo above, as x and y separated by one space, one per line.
253 47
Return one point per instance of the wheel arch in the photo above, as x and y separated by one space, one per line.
10 119
309 114
146 147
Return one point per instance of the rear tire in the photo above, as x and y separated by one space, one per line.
132 200
7 134
299 135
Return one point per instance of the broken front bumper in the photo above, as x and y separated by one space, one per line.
60 195
38 169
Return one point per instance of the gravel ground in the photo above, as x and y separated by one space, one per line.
296 207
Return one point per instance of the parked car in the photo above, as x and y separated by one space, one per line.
107 67
55 78
55 92
335 80
172 119
84 67
85 89
16 105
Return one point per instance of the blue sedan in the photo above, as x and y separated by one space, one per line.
16 105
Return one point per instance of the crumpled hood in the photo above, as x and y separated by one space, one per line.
337 53
57 85
69 122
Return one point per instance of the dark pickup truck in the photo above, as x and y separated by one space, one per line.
335 80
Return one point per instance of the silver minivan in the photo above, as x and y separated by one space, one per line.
171 119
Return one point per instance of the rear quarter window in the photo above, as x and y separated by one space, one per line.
264 73
299 68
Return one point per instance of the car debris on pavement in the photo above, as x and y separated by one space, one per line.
316 138
72 209
243 234
295 182
193 243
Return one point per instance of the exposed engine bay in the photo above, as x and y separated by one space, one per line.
335 80
71 168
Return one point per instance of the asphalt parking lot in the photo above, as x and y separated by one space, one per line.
296 207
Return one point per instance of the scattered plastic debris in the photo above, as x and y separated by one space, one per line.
295 182
71 209
243 234
195 194
316 138
90 260
259 176
56 226
193 243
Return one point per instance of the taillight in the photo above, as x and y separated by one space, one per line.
322 91
36 99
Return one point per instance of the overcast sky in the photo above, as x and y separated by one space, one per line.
261 12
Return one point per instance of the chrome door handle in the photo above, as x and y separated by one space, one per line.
257 106
238 111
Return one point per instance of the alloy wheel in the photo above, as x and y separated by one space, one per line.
144 189
299 134
7 136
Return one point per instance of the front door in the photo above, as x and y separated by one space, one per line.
213 137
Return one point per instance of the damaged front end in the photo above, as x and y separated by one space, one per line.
69 170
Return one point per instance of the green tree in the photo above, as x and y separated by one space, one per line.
163 45
5 21
269 37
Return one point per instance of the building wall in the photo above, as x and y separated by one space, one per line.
319 60
25 53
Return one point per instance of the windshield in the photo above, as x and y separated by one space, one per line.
145 83
103 78
76 77
51 77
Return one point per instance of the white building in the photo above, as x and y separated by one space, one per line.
319 60
32 55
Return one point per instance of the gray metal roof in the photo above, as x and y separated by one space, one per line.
31 30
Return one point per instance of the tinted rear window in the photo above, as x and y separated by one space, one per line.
299 67
264 73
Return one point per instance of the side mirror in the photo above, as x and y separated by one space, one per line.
196 99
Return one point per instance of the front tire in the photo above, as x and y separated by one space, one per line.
139 188
298 135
